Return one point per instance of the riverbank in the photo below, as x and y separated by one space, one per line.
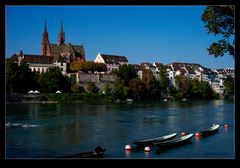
76 98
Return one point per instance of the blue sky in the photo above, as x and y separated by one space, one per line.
163 34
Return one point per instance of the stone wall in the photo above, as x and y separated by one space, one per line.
98 79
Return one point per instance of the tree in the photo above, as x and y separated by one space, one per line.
183 84
75 88
196 89
163 79
86 66
91 87
126 72
151 85
219 20
120 91
11 76
136 88
19 78
106 89
206 90
229 86
53 80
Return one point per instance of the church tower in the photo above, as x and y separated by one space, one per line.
45 42
61 36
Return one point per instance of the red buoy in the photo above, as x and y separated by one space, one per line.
197 134
225 126
183 133
128 147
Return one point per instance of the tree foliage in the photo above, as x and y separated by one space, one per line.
229 86
86 66
163 78
53 80
151 85
126 72
136 88
19 78
219 20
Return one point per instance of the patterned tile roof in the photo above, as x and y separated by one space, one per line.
69 48
113 59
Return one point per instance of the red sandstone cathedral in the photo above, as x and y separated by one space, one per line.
59 54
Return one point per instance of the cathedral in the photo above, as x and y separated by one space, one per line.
68 51
52 55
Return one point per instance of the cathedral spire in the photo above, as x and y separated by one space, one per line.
45 27
45 41
61 35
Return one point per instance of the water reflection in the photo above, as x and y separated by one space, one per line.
127 153
147 154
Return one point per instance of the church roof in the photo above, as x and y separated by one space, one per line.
69 48
39 59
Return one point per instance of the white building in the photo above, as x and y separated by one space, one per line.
112 61
39 63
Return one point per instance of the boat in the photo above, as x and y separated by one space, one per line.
150 141
175 141
209 131
97 153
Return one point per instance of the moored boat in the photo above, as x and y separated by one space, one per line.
209 131
97 153
175 141
151 141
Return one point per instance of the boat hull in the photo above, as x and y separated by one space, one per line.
150 142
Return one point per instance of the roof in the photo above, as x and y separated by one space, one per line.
39 59
191 68
144 64
109 59
69 48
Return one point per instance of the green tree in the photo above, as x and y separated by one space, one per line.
152 87
53 80
183 84
11 76
91 87
196 89
106 89
163 79
206 90
19 78
75 88
126 72
219 20
229 86
136 88
120 91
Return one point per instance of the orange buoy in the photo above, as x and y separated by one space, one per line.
197 134
183 133
225 126
147 149
128 147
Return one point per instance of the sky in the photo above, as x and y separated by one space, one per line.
163 34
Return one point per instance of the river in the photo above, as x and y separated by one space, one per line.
38 130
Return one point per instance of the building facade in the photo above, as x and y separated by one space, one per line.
112 61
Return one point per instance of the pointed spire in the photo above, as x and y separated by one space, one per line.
45 26
21 52
61 35
61 28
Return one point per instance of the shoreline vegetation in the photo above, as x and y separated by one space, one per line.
80 98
